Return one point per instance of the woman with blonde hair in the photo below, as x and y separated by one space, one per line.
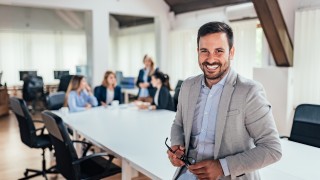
79 96
108 91
144 80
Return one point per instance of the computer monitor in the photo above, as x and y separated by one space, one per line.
59 74
25 74
119 76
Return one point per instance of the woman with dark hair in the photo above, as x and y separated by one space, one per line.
162 98
108 90
144 80
79 96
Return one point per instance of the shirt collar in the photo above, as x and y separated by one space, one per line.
221 82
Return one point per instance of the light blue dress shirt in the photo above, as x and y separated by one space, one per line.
78 102
144 92
202 138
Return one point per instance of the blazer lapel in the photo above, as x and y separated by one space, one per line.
223 109
192 102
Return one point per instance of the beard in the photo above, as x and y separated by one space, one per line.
222 70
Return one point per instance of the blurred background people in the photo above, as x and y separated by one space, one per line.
79 96
162 98
108 91
143 82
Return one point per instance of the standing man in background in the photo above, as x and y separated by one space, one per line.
223 121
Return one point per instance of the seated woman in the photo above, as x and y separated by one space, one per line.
162 98
79 96
108 90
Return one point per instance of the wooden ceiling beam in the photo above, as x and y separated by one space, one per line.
275 30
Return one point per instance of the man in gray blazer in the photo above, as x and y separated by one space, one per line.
224 122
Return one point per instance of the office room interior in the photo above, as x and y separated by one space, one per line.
45 45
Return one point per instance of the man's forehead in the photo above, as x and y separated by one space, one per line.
214 39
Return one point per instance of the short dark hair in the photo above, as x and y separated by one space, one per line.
216 27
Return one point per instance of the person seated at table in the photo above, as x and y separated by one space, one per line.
162 98
79 96
146 90
108 90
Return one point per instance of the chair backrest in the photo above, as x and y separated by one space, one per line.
26 126
176 94
64 83
32 88
179 83
306 125
64 149
55 100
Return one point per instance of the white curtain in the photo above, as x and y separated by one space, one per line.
307 57
130 51
245 47
183 58
40 51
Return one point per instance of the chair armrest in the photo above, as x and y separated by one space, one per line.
76 162
38 121
86 149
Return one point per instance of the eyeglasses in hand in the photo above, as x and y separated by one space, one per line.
187 160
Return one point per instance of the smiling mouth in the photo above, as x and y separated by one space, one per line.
212 67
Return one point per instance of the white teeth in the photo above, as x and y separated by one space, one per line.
212 66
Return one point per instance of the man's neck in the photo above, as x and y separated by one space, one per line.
210 82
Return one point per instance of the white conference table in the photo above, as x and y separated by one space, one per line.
298 162
137 137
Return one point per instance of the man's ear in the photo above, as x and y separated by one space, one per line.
231 53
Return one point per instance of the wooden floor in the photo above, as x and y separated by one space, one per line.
15 157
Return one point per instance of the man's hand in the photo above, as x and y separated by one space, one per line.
174 158
207 169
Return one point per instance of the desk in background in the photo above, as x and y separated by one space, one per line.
137 137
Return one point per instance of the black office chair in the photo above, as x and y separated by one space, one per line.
29 136
64 83
32 90
55 100
176 94
306 125
69 165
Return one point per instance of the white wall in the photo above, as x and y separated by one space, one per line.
288 8
278 83
193 20
22 18
100 10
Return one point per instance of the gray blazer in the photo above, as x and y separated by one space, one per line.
246 134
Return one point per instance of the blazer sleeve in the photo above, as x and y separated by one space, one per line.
118 95
140 78
260 125
98 95
164 99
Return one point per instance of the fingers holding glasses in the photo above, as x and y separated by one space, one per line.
175 155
